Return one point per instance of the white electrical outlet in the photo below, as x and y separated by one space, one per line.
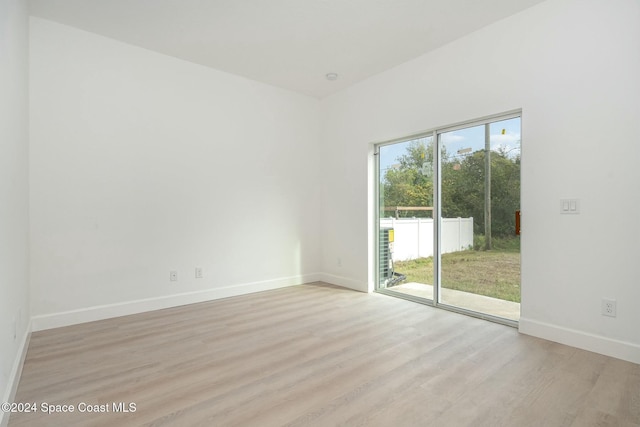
339 262
173 276
609 307
199 273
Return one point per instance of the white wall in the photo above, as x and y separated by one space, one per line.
572 66
139 165
14 214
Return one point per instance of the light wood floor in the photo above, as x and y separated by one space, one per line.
318 355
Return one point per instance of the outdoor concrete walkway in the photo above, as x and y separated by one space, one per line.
480 303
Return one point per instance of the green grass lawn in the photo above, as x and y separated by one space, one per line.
494 273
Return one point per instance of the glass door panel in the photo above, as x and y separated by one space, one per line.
480 194
405 218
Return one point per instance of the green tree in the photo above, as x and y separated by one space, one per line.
411 184
463 190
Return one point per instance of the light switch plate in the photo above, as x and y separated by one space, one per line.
570 206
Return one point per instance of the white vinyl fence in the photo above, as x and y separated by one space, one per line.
414 236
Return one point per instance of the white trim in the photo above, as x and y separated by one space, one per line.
345 282
14 376
597 343
453 127
90 314
373 218
481 121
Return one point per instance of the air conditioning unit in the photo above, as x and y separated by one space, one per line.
385 262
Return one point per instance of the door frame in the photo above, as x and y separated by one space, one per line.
437 213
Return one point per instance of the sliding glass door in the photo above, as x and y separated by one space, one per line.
446 227
405 217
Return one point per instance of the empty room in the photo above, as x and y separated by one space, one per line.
319 212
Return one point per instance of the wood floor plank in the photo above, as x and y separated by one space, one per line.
319 355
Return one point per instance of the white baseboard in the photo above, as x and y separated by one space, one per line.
90 314
14 376
586 341
345 282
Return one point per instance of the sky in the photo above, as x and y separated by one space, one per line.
472 137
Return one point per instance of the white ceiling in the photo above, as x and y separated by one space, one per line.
292 44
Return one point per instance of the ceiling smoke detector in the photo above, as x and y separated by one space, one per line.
332 76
